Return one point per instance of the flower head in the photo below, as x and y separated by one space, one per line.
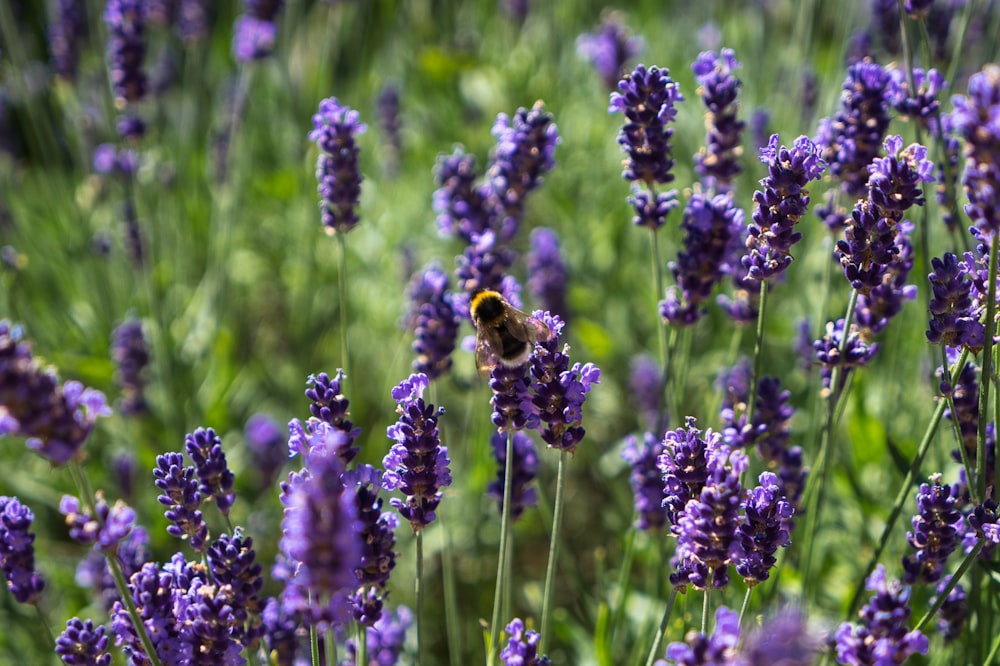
975 119
646 481
215 478
699 649
647 98
181 496
83 644
766 526
126 21
433 320
524 465
131 356
417 464
268 446
610 48
378 538
547 276
335 127
105 530
68 29
718 162
522 649
937 530
17 551
330 406
232 563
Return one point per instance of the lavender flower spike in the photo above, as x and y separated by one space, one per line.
416 464
17 551
699 649
937 530
525 469
126 20
780 205
609 48
953 322
106 530
131 356
522 649
182 498
646 481
718 163
330 406
647 98
378 538
334 129
433 320
975 119
216 480
766 527
83 644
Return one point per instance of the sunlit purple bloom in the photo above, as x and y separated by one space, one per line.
111 525
126 21
416 465
335 127
882 636
524 467
759 122
780 204
458 201
975 119
385 640
433 320
93 571
83 644
984 524
280 638
547 276
651 210
884 301
793 474
646 481
319 535
921 104
610 48
851 139
647 98
558 389
17 551
181 496
952 321
378 538
131 356
713 228
330 406
205 617
511 400
718 162
483 265
255 31
700 650
204 448
856 353
684 466
937 530
232 562
522 648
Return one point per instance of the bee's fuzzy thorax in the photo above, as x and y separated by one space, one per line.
488 308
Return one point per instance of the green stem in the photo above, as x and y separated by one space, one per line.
957 576
342 305
704 610
624 574
419 594
757 352
746 604
950 397
508 485
550 571
987 372
658 639
362 645
314 645
661 329
453 621
45 624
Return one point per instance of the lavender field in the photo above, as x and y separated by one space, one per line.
500 332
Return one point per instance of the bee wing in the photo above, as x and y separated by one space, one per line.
486 359
526 328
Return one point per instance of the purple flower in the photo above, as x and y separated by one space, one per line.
181 496
684 466
433 320
975 119
547 272
953 613
330 406
56 419
205 615
771 427
952 320
965 397
320 536
610 48
882 636
385 640
647 98
417 464
713 228
984 524
232 563
483 265
335 127
93 571
856 353
558 390
701 650
782 640
793 474
106 530
646 387
651 210
153 591
83 644
460 204
524 466
646 481
131 356
68 29
884 301
706 529
268 446
204 448
255 31
920 104
780 205
937 528
192 21
126 21
512 399
524 152
766 526
718 163
280 637
851 139
522 648
388 121
378 538
17 551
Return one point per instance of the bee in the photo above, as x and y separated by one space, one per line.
504 334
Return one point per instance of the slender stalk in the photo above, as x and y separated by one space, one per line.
314 646
746 604
452 620
342 304
704 610
419 594
661 330
658 639
624 574
550 571
757 352
957 576
508 485
83 486
987 372
950 397
362 644
45 624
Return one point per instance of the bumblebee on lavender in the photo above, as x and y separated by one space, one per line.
504 334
